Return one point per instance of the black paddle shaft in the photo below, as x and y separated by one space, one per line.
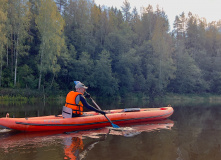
114 125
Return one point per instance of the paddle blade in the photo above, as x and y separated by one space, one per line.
115 126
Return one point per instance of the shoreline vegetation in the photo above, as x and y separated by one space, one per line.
204 99
28 96
8 96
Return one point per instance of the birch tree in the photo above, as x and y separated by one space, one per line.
23 23
17 31
3 19
50 25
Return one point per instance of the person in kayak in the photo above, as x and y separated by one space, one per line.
76 100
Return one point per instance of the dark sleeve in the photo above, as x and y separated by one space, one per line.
84 102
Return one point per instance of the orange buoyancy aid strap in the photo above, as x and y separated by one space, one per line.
77 107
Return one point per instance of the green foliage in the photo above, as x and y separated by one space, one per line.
26 78
83 68
188 75
102 78
114 52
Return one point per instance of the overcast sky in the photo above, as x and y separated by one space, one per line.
209 9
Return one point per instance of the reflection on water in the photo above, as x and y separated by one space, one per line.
191 133
30 110
74 145
198 132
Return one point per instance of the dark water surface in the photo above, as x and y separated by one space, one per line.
193 132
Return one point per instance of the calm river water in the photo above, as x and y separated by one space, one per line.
193 132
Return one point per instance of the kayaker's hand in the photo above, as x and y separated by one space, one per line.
87 95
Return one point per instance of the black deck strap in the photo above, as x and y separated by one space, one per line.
57 115
66 112
70 103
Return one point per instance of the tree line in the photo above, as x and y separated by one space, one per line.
47 45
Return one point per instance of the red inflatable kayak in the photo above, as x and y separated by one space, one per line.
89 120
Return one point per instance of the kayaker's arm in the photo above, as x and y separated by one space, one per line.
84 102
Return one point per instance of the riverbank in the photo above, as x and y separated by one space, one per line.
190 99
10 95
31 96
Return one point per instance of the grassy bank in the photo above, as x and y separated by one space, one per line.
193 97
190 99
8 95
10 92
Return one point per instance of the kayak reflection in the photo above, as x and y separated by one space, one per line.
76 149
76 145
73 146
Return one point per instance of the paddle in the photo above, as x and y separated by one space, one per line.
113 125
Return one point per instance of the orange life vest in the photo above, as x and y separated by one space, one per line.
71 103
